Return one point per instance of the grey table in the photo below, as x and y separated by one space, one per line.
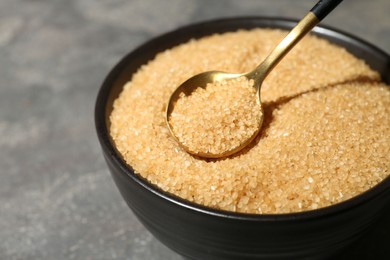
57 199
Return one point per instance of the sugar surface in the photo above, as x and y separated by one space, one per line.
325 136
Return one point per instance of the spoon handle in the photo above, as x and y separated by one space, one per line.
324 7
304 26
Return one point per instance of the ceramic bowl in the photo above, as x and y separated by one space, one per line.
202 233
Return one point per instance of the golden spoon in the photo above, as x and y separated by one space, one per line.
316 14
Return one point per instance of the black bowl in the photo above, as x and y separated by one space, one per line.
199 232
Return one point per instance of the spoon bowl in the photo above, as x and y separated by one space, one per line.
201 81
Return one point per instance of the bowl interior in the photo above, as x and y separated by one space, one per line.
123 71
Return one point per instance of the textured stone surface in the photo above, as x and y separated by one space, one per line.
57 199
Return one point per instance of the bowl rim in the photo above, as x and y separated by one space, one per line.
109 149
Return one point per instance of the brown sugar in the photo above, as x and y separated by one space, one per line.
217 119
325 136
